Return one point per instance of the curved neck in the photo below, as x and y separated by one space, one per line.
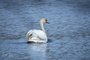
42 26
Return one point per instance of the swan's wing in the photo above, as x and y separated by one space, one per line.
29 34
40 34
36 33
33 33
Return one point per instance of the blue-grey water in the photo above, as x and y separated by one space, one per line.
68 31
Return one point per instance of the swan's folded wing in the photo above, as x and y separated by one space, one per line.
40 34
29 33
36 33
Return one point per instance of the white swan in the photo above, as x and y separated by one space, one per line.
38 36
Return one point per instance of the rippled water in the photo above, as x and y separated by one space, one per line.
68 31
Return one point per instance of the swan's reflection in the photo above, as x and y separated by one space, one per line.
37 51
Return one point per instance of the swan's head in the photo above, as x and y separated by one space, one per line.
43 20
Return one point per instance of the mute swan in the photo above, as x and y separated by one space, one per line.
38 36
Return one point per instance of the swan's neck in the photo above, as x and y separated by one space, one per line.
42 26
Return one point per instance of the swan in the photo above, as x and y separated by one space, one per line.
38 36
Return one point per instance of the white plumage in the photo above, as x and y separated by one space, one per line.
38 36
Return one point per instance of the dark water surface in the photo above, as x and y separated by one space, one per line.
68 31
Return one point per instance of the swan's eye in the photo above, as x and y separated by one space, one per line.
46 20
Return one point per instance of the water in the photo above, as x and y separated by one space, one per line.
68 31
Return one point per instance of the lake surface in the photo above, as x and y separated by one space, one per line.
68 31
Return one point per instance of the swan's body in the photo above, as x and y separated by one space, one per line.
38 35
